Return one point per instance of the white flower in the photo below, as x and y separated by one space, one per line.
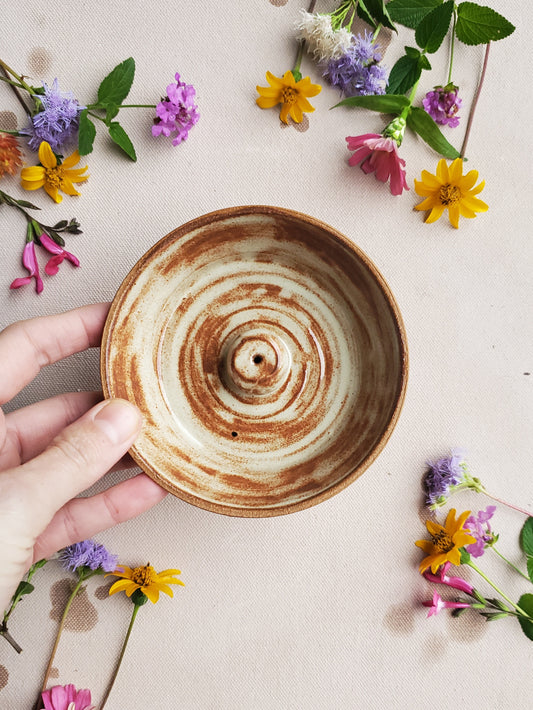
323 42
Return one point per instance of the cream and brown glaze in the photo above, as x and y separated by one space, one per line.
267 354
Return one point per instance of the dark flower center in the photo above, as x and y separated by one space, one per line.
289 95
143 576
449 194
442 541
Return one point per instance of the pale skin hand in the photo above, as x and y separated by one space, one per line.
53 450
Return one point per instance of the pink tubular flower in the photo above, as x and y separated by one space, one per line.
437 604
442 578
60 254
67 698
379 154
29 261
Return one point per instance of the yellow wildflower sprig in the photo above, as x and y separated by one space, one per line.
140 584
53 175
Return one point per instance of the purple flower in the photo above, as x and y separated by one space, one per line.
442 104
177 112
60 254
442 578
442 475
57 121
479 527
88 554
437 604
29 261
358 72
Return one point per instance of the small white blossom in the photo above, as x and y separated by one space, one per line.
323 42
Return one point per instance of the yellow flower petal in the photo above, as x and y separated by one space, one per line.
34 185
288 79
453 214
152 593
53 191
455 171
284 113
46 155
275 81
34 172
120 586
266 102
442 172
296 113
435 214
72 160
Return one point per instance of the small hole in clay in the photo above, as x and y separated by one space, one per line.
258 359
234 434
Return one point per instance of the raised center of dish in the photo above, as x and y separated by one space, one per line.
255 360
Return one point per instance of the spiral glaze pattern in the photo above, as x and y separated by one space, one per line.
267 355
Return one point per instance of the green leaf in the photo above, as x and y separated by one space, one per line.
530 568
24 588
378 12
28 205
423 62
477 24
422 123
434 27
121 138
410 12
86 134
403 75
412 52
117 84
385 103
526 536
526 603
111 110
365 15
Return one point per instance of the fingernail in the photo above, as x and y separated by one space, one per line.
119 420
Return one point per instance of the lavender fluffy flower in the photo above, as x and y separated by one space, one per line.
358 71
177 112
479 527
58 120
442 475
89 554
442 104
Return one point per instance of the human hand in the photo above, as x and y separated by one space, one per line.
53 450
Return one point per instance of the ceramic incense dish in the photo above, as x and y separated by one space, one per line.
267 355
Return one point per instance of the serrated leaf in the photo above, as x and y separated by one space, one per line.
403 75
432 30
526 536
410 12
385 103
477 24
422 123
378 12
121 138
526 604
86 134
117 84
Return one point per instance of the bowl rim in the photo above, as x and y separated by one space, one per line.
243 211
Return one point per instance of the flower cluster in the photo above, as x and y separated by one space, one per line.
90 554
10 155
442 104
57 120
177 112
323 41
358 72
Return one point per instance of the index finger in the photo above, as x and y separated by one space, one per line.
29 345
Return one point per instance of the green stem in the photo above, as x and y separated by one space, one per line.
511 602
122 652
21 81
95 115
301 44
137 106
376 32
452 47
493 547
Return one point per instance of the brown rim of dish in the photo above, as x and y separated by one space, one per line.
243 210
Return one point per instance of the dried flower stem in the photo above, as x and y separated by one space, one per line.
5 633
474 103
122 652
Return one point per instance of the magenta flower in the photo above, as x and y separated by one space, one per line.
60 254
67 698
442 578
378 153
29 260
437 604
479 527
177 112
442 104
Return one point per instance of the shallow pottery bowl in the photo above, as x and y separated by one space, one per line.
267 355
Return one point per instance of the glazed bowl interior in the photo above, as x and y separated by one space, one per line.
267 355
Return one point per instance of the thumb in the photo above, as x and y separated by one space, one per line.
81 454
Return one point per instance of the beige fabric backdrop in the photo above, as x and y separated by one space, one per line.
319 609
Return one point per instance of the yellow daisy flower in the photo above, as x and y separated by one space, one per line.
291 94
51 176
146 579
449 188
445 542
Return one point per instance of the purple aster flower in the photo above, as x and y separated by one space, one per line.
442 104
57 121
358 72
88 553
442 475
479 527
177 112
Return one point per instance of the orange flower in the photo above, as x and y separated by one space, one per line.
446 542
10 155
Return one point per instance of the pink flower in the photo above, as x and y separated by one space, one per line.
442 578
379 154
437 604
67 698
29 261
52 266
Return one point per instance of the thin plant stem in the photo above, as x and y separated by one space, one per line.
14 88
493 547
452 46
7 70
122 652
502 594
509 505
301 43
5 633
474 103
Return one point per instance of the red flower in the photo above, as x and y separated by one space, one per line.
29 260
378 153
